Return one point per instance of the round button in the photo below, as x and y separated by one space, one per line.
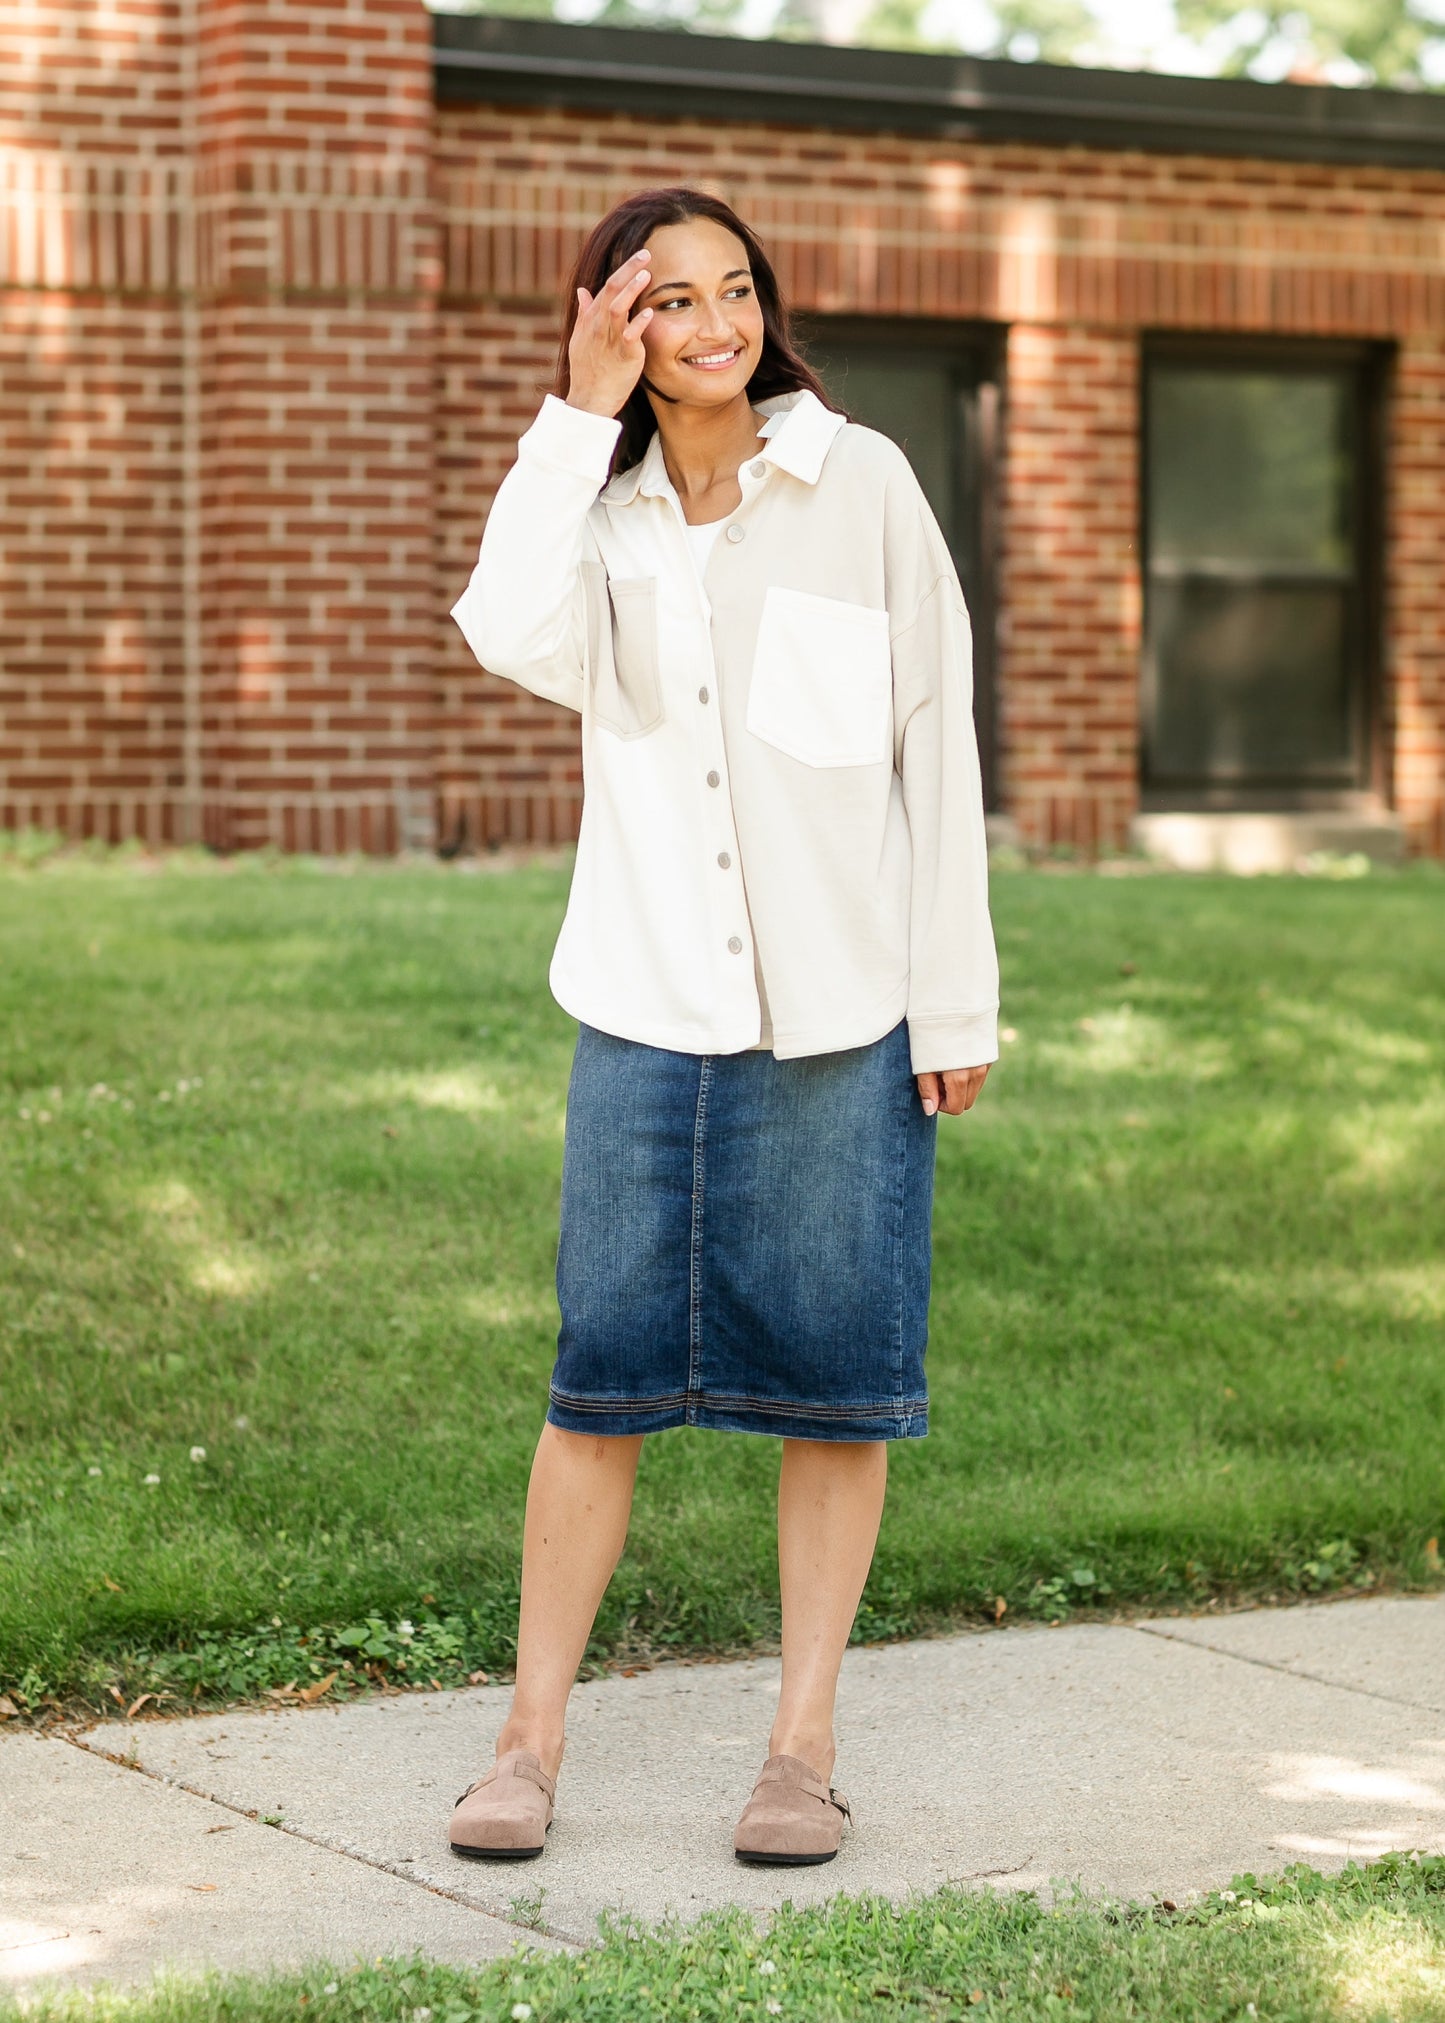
723 860
712 779
735 533
759 469
702 695
734 945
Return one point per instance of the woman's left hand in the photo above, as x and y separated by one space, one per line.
953 1091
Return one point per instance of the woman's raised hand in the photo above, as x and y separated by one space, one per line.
605 352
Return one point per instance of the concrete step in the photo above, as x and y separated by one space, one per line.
1264 841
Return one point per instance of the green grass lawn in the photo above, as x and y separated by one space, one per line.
1367 1946
279 1160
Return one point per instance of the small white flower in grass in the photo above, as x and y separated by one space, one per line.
773 2008
94 1471
521 2011
151 1481
198 1454
418 2015
241 1424
330 1988
1227 1897
165 1096
766 1967
1008 1034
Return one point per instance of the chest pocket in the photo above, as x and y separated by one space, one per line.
822 686
622 657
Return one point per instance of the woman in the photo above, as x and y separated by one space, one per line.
777 946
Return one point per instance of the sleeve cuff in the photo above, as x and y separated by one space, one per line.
570 440
962 1040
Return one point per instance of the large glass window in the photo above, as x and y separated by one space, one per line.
1258 621
934 390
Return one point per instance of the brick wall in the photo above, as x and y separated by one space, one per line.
270 324
92 178
218 289
1416 588
1069 594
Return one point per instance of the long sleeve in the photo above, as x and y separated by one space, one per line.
522 613
953 965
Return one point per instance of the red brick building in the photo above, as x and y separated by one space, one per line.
278 288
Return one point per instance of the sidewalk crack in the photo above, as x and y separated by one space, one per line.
328 1846
1288 1671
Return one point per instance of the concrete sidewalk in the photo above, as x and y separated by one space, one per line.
1148 1758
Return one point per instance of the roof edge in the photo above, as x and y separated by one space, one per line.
498 59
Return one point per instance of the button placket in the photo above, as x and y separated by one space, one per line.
734 533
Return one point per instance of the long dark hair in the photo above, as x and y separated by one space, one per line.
626 230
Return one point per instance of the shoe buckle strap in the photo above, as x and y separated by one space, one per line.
477 1783
535 1774
795 1774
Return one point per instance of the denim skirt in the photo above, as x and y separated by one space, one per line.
745 1242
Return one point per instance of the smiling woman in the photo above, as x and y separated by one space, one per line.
721 315
777 945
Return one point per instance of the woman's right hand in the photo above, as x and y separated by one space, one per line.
605 352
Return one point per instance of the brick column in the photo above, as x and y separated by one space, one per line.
92 253
1416 621
1070 592
317 284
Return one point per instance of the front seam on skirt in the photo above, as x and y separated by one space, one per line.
699 1177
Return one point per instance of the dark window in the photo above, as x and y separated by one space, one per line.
934 390
1259 609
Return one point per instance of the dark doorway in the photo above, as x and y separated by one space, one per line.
1260 503
935 389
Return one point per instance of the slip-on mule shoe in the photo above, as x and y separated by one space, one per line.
505 1815
793 1818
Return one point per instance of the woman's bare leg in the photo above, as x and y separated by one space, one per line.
830 1502
579 1500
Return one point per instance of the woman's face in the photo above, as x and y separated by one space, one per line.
705 336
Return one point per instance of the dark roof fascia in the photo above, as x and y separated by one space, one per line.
498 60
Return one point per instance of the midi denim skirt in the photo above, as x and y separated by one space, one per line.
745 1242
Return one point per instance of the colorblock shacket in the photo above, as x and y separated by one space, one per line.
780 770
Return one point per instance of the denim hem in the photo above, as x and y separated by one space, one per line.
903 1419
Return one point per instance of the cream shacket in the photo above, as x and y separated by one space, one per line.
779 763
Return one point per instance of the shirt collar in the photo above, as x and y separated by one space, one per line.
799 432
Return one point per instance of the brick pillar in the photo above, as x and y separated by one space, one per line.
1416 622
1068 693
92 250
316 274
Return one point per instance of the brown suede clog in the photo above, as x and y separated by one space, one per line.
793 1818
506 1814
